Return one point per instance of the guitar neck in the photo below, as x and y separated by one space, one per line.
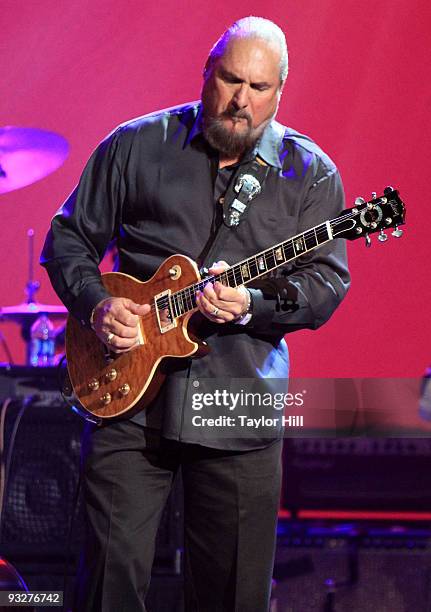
245 271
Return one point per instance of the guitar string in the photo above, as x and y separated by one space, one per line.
188 294
267 254
164 301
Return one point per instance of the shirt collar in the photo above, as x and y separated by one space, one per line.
268 147
196 128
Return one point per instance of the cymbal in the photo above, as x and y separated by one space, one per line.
22 311
28 155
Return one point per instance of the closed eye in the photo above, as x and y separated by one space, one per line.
260 86
228 77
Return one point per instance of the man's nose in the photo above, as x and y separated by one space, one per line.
240 97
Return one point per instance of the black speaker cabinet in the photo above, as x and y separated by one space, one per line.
42 446
42 478
381 571
386 474
42 451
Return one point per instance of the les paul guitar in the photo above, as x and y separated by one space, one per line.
108 385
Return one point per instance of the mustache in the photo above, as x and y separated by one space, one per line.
233 113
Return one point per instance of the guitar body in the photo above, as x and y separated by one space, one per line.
100 378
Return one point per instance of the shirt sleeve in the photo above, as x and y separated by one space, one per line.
306 293
82 229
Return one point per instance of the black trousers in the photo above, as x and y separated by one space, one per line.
231 501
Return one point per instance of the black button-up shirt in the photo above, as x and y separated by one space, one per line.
153 184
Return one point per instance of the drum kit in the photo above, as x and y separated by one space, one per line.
26 156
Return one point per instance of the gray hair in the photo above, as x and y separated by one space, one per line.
252 27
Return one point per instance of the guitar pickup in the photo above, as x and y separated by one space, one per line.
163 306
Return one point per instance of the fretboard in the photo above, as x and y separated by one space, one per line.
245 271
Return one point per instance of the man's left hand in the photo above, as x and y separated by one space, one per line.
221 304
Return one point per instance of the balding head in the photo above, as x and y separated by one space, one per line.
251 27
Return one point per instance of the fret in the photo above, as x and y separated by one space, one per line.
245 271
279 256
252 265
299 244
175 300
270 259
224 278
179 307
310 240
230 277
190 302
189 298
322 233
179 302
237 275
175 311
289 251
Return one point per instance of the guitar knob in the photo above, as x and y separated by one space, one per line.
382 236
388 220
175 272
93 384
397 233
106 399
111 375
124 389
374 194
388 190
359 201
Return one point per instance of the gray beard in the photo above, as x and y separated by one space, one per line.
230 144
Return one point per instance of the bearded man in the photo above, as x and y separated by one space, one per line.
158 185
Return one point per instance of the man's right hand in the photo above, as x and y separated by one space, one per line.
115 321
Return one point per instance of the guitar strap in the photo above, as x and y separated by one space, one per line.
244 186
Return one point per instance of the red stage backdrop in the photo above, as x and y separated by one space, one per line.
359 84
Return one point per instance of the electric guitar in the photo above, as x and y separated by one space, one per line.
108 385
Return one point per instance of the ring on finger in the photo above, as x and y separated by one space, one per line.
215 311
109 337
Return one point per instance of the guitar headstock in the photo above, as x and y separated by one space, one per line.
376 215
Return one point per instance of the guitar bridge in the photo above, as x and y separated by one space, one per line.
163 306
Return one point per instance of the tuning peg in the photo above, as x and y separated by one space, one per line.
359 201
387 190
397 233
382 236
367 240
